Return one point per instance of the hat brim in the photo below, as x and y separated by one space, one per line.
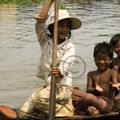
75 22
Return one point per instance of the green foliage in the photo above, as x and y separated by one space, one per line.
61 6
20 2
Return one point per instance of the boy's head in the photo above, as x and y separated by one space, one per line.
104 48
114 40
115 43
103 54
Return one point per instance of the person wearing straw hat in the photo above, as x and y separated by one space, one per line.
39 100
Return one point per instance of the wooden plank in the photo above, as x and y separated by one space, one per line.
109 116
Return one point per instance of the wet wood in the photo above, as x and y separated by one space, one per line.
109 116
7 113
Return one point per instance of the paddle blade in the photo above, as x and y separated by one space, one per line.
7 113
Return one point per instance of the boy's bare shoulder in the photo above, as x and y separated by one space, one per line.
92 72
96 72
111 72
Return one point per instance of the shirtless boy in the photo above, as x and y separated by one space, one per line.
99 81
100 91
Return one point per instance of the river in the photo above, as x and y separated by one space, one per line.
20 51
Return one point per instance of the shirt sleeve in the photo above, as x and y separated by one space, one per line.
41 31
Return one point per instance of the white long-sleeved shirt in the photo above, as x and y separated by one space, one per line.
65 56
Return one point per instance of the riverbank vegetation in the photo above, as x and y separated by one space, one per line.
20 2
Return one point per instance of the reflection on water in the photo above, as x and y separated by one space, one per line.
20 51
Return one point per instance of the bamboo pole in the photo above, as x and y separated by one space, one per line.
54 64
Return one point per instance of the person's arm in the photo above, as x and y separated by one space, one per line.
92 87
44 11
114 81
40 26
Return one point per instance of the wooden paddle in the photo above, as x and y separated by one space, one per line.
54 64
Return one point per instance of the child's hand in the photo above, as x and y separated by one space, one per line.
55 71
99 88
117 85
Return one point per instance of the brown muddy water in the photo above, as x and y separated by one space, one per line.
20 51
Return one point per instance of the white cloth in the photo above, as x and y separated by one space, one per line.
39 101
65 56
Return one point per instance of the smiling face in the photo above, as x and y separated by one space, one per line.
63 30
102 61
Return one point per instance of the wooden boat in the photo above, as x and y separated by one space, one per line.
7 113
109 116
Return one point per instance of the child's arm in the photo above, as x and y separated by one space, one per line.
114 82
91 86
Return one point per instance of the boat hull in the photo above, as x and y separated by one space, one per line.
109 116
7 113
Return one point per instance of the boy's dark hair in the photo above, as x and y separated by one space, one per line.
104 48
114 40
51 30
